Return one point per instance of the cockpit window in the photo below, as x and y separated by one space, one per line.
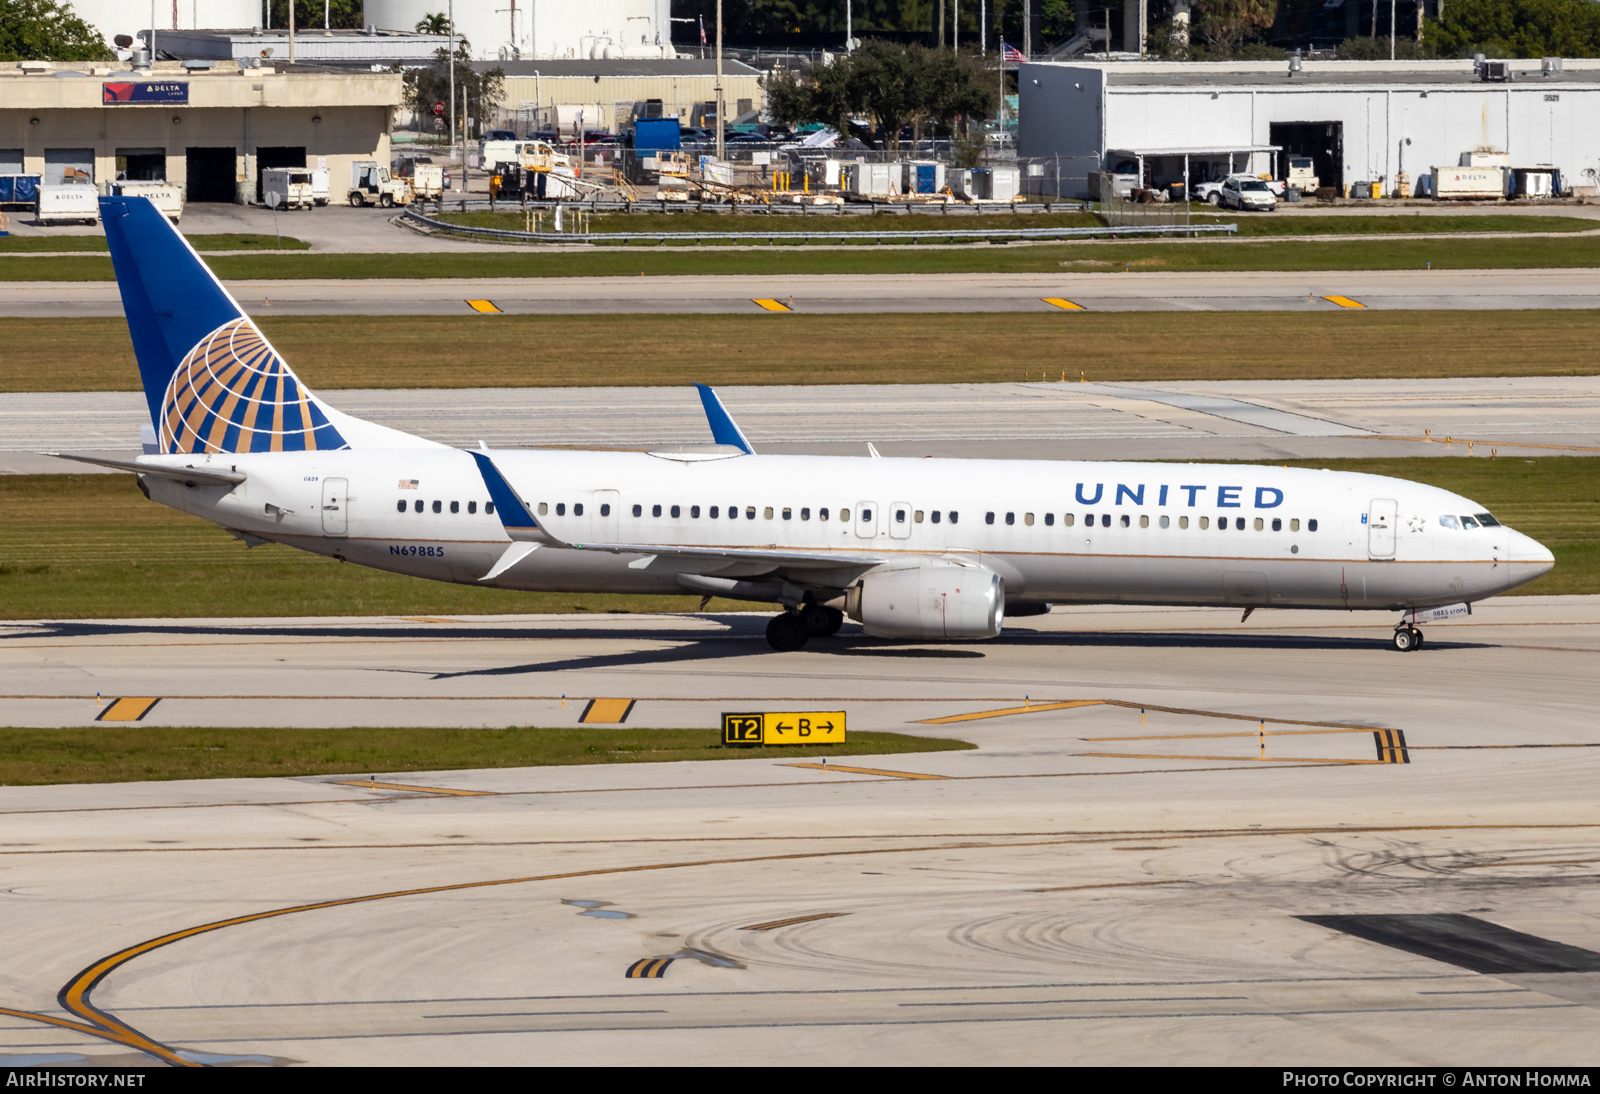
1448 521
1468 522
1487 521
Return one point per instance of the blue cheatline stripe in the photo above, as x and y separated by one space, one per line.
723 428
513 514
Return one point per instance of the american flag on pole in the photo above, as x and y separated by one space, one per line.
1011 54
702 30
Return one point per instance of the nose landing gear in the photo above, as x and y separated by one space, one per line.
1407 638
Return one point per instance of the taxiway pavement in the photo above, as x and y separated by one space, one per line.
1106 290
1127 879
1248 420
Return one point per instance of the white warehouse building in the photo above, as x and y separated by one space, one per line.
1359 121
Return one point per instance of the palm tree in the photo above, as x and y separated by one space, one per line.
437 23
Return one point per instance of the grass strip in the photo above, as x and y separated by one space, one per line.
1249 224
1200 256
140 753
221 241
471 351
91 547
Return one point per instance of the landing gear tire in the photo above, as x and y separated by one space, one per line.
821 622
787 632
1416 639
1407 639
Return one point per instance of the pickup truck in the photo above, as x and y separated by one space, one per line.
1211 192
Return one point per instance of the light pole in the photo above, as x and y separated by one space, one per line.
452 62
719 82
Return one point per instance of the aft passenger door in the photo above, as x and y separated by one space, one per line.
1382 516
335 507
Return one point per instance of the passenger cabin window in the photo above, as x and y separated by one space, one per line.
916 517
1011 518
712 512
561 508
676 512
954 516
401 507
1311 525
544 507
1294 524
1049 519
844 514
805 514
1127 521
694 512
1027 518
1238 524
750 513
1260 524
472 507
1205 522
1144 520
577 509
822 514
438 507
899 516
605 509
455 507
655 510
1183 522
866 515
1105 520
1277 524
1068 519
1166 522
766 513
489 508
638 510
788 514
988 518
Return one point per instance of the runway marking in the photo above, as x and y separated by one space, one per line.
1215 759
650 968
1107 885
126 710
1214 736
772 305
1005 712
1391 746
1064 305
369 784
607 711
772 925
1344 301
869 771
1502 444
484 307
428 619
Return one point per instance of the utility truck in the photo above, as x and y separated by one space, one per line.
371 184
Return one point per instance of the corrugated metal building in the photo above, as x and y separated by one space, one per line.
1360 121
679 83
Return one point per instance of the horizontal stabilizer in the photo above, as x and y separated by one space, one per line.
193 476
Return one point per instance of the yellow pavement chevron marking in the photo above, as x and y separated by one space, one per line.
772 305
484 307
126 710
1064 305
606 711
1344 301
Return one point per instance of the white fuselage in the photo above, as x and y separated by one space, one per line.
1082 532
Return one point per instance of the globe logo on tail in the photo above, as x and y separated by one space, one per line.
232 393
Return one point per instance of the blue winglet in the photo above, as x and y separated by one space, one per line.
723 428
513 514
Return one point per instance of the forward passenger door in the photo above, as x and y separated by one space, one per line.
1382 515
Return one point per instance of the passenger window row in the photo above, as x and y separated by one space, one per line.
1126 521
438 506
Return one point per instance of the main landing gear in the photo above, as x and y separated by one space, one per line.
791 630
1407 638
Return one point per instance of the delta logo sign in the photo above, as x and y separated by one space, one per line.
154 92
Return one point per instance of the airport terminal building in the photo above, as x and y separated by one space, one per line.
1359 121
210 126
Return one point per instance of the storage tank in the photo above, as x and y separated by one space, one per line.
535 29
114 17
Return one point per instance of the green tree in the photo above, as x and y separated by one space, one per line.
436 23
44 30
1517 28
341 14
426 86
1226 24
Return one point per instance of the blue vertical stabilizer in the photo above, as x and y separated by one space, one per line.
212 381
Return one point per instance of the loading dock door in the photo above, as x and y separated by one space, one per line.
64 164
286 156
1322 141
212 175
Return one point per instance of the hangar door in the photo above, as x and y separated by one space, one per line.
212 175
276 156
1322 141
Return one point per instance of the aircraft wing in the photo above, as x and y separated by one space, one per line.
190 476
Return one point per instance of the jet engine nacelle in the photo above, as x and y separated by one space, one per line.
938 601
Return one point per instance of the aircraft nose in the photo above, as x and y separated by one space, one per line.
1529 556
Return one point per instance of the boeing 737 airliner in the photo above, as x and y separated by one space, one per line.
910 548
